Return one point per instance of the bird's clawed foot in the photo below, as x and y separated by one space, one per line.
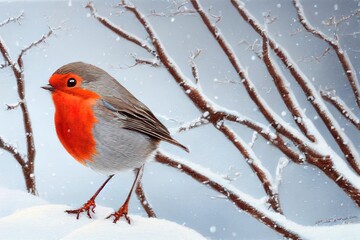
87 207
123 211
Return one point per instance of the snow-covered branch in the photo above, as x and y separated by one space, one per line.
343 58
243 201
342 108
286 95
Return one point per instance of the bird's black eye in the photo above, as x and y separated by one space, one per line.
71 82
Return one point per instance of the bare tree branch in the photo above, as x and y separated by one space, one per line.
342 108
343 58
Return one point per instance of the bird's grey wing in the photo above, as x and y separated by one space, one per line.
137 117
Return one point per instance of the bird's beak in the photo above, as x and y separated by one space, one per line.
48 87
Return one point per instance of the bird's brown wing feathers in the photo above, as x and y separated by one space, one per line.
136 116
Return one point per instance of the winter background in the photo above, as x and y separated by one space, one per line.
307 196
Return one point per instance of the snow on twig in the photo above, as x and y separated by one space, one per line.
198 122
17 19
194 69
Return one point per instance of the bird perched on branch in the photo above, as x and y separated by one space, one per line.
103 126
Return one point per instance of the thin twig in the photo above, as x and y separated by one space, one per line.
13 19
120 32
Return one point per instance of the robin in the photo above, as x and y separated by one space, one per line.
103 126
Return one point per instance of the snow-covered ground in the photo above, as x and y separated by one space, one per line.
23 216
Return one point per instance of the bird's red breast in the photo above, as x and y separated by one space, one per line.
74 117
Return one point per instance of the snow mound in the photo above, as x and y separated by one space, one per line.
20 220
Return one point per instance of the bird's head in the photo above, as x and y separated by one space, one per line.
78 79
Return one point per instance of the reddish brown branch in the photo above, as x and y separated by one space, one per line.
143 200
342 108
287 97
316 101
343 58
233 197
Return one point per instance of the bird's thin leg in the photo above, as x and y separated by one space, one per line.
123 210
89 205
